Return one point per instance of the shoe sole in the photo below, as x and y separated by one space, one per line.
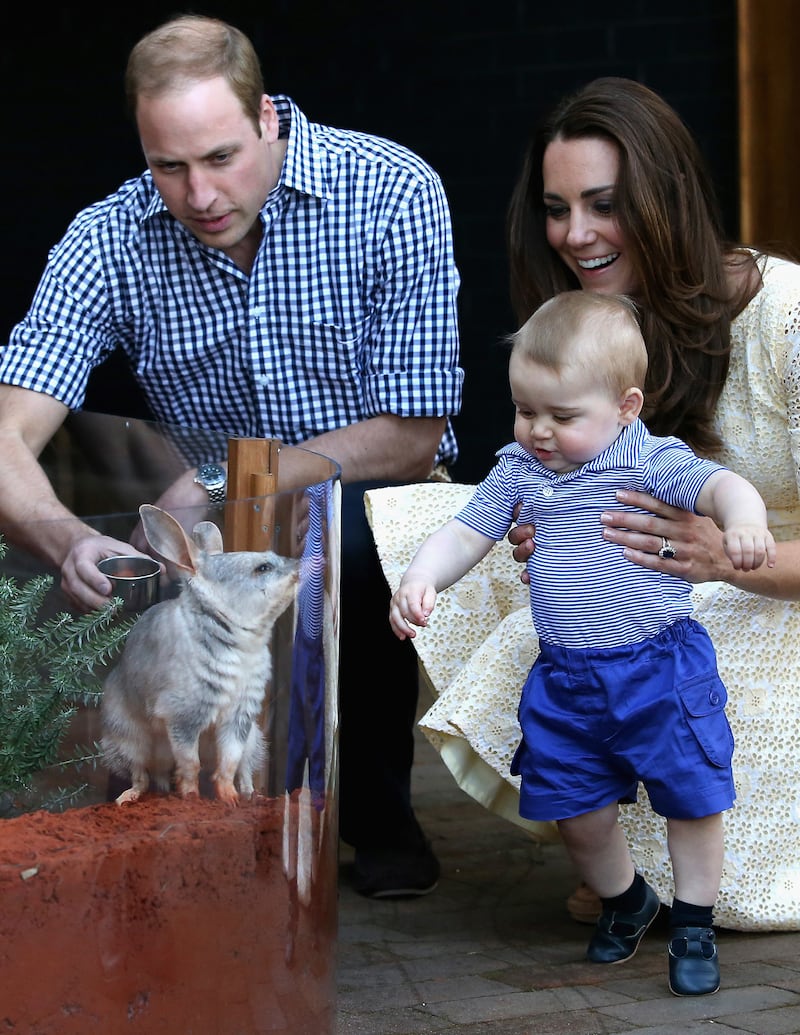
403 892
693 995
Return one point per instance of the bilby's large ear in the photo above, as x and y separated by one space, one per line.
207 536
168 538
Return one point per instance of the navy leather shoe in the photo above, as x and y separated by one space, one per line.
693 961
617 935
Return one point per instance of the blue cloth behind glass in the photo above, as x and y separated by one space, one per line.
378 684
307 705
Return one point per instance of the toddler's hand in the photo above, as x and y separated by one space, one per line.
412 604
748 546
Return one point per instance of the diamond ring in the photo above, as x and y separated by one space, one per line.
667 551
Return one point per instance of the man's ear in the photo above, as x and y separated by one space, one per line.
268 119
630 405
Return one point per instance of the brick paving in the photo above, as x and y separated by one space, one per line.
492 951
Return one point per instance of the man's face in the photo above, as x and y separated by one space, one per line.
210 165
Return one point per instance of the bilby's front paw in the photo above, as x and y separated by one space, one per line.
227 792
131 795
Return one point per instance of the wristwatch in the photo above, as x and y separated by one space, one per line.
214 480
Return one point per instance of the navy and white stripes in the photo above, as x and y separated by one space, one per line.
584 593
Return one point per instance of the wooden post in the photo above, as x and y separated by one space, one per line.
769 144
252 475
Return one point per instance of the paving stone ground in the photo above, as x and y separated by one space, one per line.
492 951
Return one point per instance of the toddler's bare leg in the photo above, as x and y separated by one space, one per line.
596 844
697 849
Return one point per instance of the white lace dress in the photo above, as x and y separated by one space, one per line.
480 643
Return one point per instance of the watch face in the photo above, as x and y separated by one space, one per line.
212 476
214 480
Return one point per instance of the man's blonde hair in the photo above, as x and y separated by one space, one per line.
596 334
191 48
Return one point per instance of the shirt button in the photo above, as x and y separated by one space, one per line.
262 379
548 490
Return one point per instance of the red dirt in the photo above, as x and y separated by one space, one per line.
168 916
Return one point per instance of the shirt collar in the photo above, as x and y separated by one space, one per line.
304 167
622 452
156 204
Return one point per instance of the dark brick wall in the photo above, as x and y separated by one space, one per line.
461 83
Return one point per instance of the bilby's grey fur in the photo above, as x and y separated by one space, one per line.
198 662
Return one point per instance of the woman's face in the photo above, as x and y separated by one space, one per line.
580 178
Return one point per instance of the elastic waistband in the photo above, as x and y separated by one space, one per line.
681 631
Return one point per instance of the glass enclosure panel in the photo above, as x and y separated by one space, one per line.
205 913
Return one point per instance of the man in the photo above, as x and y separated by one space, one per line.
267 277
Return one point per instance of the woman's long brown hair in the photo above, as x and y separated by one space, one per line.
667 210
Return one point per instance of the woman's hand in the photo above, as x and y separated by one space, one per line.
696 541
521 538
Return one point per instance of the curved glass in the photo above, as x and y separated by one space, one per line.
205 913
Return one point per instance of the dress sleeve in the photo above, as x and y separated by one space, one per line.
789 335
758 415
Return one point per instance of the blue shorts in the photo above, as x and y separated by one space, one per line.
597 722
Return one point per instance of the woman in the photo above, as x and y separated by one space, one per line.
614 197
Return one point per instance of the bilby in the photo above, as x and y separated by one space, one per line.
199 662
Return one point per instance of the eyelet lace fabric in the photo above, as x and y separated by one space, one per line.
481 644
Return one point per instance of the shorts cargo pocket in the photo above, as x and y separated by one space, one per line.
704 703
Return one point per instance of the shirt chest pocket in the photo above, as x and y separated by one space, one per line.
317 344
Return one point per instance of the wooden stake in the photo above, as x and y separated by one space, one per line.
252 476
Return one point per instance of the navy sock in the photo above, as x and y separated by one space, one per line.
630 901
684 914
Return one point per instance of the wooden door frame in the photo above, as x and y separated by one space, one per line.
769 142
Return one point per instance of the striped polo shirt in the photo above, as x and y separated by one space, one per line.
583 592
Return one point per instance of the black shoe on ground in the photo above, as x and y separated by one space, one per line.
617 935
400 872
693 961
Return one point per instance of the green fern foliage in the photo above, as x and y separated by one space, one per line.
48 668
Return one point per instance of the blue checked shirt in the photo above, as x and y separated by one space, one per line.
349 311
583 592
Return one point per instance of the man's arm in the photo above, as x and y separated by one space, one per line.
410 362
383 448
28 420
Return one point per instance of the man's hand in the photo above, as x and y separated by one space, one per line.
85 586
